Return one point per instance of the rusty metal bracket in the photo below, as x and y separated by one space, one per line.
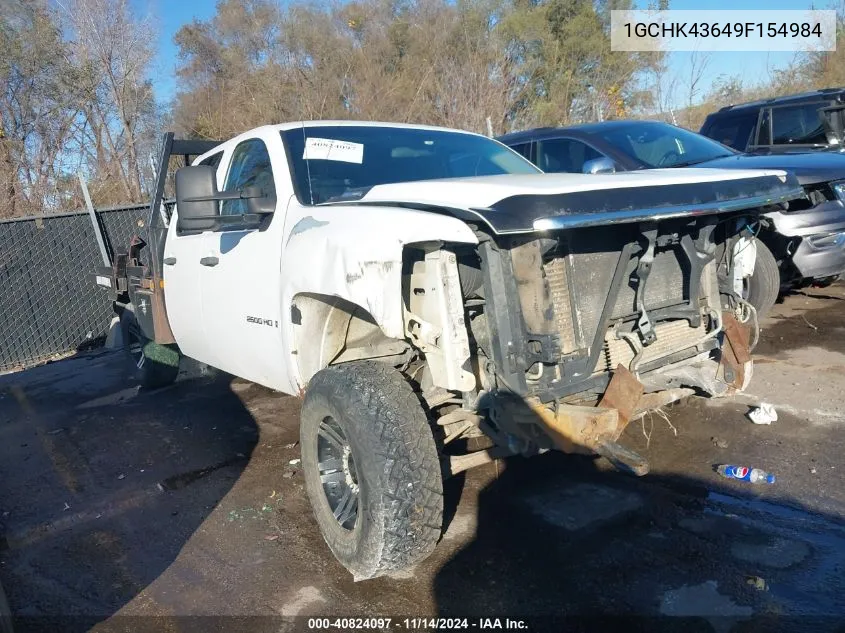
589 430
577 429
623 394
623 458
735 352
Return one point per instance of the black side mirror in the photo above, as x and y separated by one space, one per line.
196 206
261 206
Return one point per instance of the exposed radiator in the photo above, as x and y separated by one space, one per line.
558 281
672 336
580 282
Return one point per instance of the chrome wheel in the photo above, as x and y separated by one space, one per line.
338 475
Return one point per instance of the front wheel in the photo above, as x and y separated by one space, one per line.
761 289
155 365
371 468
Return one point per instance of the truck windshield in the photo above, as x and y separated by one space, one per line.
338 163
655 144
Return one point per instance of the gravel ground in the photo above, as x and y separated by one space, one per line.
184 502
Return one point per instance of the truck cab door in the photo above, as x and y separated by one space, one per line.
240 270
183 251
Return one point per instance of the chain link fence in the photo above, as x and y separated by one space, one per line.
49 303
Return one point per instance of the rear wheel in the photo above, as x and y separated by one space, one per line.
155 365
761 289
371 468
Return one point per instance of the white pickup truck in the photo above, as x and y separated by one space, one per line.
438 302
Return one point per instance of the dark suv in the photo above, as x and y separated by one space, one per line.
797 123
802 244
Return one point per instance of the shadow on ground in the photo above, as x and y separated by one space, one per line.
97 497
572 546
166 493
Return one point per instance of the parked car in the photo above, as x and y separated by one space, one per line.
803 122
803 243
421 286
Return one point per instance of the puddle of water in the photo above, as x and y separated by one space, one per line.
813 586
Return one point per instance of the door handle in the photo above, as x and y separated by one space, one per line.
210 261
169 261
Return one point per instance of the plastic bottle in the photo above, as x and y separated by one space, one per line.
743 473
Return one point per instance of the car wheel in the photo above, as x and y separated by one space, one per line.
761 289
371 468
155 365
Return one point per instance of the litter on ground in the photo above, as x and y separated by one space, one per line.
764 414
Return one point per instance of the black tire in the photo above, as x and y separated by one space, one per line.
763 287
825 282
155 365
367 413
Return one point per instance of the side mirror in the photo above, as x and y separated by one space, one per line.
261 206
257 203
196 206
602 165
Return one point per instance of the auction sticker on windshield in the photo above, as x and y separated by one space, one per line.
330 149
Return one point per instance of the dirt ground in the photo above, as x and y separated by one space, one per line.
188 502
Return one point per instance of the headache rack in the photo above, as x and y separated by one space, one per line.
135 275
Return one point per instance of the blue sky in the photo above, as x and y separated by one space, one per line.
169 16
751 67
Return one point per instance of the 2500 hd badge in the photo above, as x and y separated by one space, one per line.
260 321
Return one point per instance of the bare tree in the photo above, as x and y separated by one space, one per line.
115 48
697 68
38 90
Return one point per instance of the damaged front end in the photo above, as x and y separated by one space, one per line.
575 331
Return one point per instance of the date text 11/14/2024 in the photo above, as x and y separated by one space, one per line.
416 624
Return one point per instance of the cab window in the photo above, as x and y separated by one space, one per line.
250 167
564 155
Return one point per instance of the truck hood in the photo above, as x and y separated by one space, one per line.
536 202
810 167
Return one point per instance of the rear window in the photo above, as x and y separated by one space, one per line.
734 131
798 125
213 160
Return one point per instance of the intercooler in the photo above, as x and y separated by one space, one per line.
579 284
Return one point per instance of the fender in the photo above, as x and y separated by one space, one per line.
356 254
